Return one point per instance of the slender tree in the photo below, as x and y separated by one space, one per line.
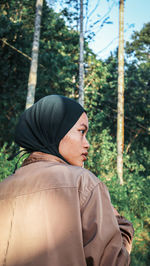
120 111
81 60
35 50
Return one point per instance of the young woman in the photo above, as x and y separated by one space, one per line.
53 212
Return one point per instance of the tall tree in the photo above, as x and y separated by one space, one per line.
81 60
35 50
120 108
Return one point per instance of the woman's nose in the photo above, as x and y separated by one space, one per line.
86 143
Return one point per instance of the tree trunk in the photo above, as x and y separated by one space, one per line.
81 61
120 114
35 50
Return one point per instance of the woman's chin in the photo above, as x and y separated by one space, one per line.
80 164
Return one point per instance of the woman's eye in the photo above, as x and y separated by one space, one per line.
82 131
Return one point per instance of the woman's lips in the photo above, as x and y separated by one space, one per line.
84 155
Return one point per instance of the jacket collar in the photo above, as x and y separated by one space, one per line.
40 156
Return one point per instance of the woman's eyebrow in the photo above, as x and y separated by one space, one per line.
83 125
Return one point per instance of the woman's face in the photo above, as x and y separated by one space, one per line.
74 145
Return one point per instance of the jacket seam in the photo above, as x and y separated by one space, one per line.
40 190
87 198
9 236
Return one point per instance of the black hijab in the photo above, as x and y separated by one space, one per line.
43 125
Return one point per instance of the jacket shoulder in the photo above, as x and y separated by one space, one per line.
86 176
86 182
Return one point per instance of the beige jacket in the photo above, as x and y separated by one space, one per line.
55 214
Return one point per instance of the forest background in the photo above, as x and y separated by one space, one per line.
58 74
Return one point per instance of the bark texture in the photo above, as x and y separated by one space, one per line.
81 61
120 114
35 51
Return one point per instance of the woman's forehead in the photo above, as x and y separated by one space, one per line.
83 120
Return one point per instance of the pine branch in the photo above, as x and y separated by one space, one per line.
18 51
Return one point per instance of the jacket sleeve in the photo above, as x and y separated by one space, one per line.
107 238
127 232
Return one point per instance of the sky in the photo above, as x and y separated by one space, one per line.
136 13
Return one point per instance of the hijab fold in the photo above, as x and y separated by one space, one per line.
43 125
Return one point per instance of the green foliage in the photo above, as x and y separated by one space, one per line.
14 66
7 166
140 45
58 57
